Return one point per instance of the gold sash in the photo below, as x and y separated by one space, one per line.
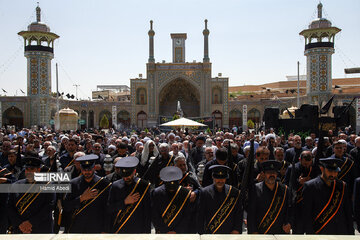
176 205
27 199
331 207
123 216
88 202
224 210
184 177
345 168
168 163
274 210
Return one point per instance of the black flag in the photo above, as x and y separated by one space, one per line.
347 107
290 114
326 107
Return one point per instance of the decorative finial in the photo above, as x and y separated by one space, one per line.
206 23
320 10
38 11
151 24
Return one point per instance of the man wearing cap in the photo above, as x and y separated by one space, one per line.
221 159
170 204
129 200
347 168
219 205
31 212
304 171
327 204
88 200
268 211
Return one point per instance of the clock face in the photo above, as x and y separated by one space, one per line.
178 42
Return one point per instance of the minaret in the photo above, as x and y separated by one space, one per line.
206 33
39 50
151 43
319 46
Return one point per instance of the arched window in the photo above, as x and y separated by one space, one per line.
123 118
254 115
235 118
141 98
216 95
13 116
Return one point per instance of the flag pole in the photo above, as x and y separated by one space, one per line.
57 90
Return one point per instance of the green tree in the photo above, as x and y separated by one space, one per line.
250 124
104 122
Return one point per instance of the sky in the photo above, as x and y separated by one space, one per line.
106 42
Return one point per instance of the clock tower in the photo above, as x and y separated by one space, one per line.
178 42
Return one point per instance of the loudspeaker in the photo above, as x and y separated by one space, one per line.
342 120
271 118
309 115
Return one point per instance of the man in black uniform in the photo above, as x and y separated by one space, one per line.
171 207
219 207
88 200
31 212
269 203
357 202
327 202
347 168
221 159
304 171
129 200
6 177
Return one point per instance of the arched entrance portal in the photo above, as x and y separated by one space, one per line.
123 118
179 90
108 117
13 116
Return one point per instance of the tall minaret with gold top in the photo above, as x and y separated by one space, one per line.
39 51
319 46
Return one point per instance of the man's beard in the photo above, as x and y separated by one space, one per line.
297 145
329 178
88 175
128 181
219 185
271 180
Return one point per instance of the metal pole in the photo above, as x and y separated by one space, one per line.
298 86
76 86
57 90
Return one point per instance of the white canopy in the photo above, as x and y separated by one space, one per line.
183 122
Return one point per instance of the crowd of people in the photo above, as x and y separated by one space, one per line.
183 181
